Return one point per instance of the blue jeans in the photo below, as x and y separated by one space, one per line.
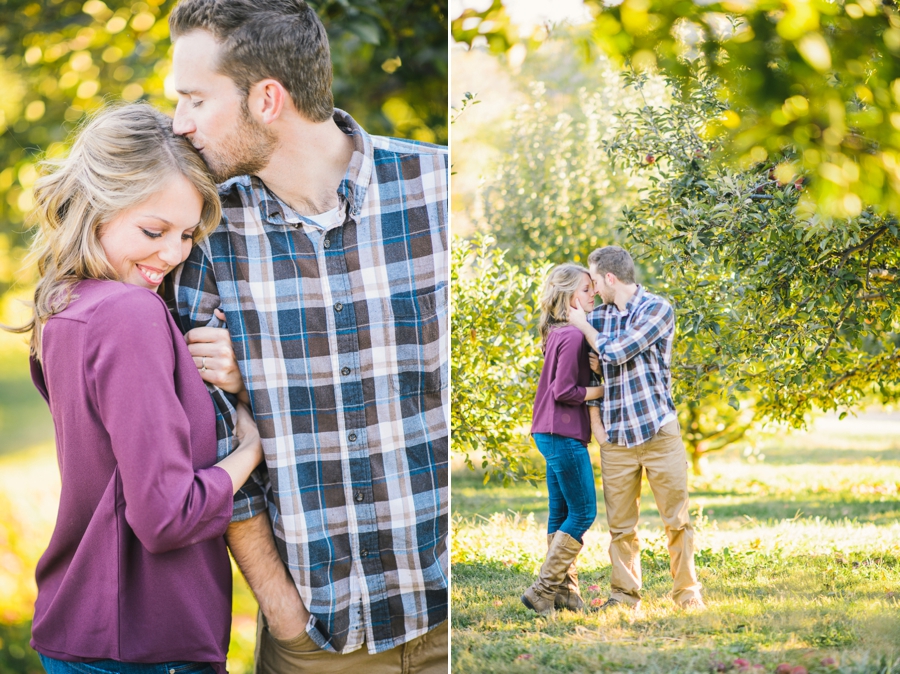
570 482
115 667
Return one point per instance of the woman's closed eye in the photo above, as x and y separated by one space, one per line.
152 235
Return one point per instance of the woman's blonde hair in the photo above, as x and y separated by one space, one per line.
120 157
561 283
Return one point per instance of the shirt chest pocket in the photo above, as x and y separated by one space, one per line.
419 320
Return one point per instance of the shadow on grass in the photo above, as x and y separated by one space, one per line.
826 455
839 507
16 656
742 509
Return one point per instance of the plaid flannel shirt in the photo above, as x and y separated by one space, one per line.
341 337
635 348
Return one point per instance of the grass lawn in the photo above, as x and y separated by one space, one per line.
799 556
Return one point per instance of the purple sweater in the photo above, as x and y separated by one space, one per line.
136 569
559 403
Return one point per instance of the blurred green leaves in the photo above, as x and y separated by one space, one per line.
819 76
62 58
495 359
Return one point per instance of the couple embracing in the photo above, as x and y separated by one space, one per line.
310 432
627 342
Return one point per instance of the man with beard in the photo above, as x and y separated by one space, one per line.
632 333
330 266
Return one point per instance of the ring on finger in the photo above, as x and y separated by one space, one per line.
202 363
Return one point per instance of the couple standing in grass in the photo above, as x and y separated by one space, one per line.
627 343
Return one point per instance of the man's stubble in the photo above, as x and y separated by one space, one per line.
245 151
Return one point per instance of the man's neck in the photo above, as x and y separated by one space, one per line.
308 165
624 294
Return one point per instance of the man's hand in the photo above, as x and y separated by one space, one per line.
214 357
594 361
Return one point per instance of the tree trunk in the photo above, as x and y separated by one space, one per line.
696 461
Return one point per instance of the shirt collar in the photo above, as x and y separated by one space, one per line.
359 173
351 191
635 300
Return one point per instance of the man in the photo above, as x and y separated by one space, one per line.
330 266
632 334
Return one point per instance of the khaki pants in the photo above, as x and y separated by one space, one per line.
663 457
427 654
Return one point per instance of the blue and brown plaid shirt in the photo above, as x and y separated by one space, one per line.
341 337
635 348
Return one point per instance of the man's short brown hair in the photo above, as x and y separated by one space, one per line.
613 260
259 39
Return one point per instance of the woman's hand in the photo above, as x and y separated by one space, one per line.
241 462
214 357
594 362
245 429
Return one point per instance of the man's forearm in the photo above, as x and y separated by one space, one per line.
253 546
597 428
579 320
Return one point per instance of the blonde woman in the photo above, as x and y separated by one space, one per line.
136 577
561 430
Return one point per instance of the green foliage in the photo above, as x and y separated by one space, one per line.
495 358
501 35
821 76
554 195
62 58
802 312
712 422
390 64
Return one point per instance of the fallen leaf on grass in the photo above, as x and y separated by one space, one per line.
524 656
594 588
596 601
497 602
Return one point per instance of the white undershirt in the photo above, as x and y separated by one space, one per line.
324 220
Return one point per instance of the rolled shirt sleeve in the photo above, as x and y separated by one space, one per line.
652 325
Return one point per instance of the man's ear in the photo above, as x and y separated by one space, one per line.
266 100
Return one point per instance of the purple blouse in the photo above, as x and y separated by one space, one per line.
136 569
559 403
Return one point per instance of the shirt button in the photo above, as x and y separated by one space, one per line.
327 243
359 496
338 307
364 554
352 437
345 371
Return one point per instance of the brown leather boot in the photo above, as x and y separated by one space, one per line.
541 596
567 594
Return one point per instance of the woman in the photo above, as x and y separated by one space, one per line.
561 429
136 577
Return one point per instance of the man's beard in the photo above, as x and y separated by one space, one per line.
246 151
